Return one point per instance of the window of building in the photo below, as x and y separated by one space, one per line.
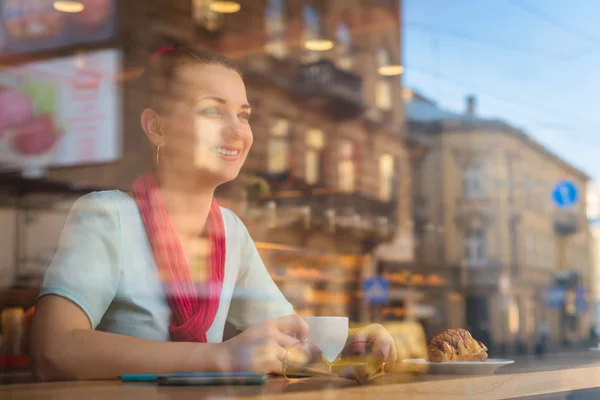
528 183
383 94
347 166
473 181
313 159
312 31
475 247
530 249
205 17
344 47
275 28
546 198
383 88
386 177
279 147
511 180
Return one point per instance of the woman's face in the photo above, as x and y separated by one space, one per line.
207 131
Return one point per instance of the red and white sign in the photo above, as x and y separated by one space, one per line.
61 112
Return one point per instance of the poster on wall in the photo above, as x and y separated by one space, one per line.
60 112
33 25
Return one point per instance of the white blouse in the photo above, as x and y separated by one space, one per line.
105 265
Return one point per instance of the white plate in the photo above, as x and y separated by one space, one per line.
460 367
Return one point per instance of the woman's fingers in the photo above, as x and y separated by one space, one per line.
293 324
268 358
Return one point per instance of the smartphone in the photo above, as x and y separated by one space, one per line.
211 378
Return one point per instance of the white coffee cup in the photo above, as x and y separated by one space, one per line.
329 334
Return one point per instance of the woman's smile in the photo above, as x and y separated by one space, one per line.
227 153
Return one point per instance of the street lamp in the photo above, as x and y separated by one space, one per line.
225 7
387 67
68 6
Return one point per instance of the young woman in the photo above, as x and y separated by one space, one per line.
145 282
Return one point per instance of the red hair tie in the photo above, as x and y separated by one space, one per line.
160 52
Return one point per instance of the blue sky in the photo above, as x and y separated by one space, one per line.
532 63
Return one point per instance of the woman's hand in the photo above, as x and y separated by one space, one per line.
262 347
376 339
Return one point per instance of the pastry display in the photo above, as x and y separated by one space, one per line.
456 345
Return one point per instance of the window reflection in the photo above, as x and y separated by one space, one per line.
279 147
314 157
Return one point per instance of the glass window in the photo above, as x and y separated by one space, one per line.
346 166
528 191
383 94
315 143
205 17
386 177
473 181
275 28
530 249
279 147
344 47
312 31
383 57
475 247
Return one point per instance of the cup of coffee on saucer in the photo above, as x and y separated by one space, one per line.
326 352
329 334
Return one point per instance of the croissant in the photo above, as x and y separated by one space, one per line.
456 345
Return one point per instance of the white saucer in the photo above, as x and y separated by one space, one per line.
461 367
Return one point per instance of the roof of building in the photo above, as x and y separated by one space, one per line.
428 115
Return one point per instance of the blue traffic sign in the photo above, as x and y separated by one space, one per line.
580 301
376 290
565 194
554 297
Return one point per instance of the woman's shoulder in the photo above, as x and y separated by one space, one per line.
233 223
229 217
108 203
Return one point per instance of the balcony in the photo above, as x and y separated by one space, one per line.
480 276
334 89
566 223
321 84
320 200
475 213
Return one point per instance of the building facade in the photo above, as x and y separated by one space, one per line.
484 210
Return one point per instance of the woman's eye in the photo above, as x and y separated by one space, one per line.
244 116
210 111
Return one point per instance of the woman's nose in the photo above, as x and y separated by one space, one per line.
236 129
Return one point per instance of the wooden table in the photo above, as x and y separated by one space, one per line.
527 377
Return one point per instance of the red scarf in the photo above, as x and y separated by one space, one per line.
194 306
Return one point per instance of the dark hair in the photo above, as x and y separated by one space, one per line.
160 73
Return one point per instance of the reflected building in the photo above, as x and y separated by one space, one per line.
484 213
328 178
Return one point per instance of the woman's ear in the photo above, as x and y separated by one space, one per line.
151 124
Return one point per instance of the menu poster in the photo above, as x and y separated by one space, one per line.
60 112
33 25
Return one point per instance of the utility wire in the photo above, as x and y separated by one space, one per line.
541 14
584 140
478 39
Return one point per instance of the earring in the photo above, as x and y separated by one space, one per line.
158 154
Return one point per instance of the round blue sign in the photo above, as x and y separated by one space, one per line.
565 194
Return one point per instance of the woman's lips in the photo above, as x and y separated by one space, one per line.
227 153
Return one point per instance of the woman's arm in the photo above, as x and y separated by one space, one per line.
78 288
64 347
